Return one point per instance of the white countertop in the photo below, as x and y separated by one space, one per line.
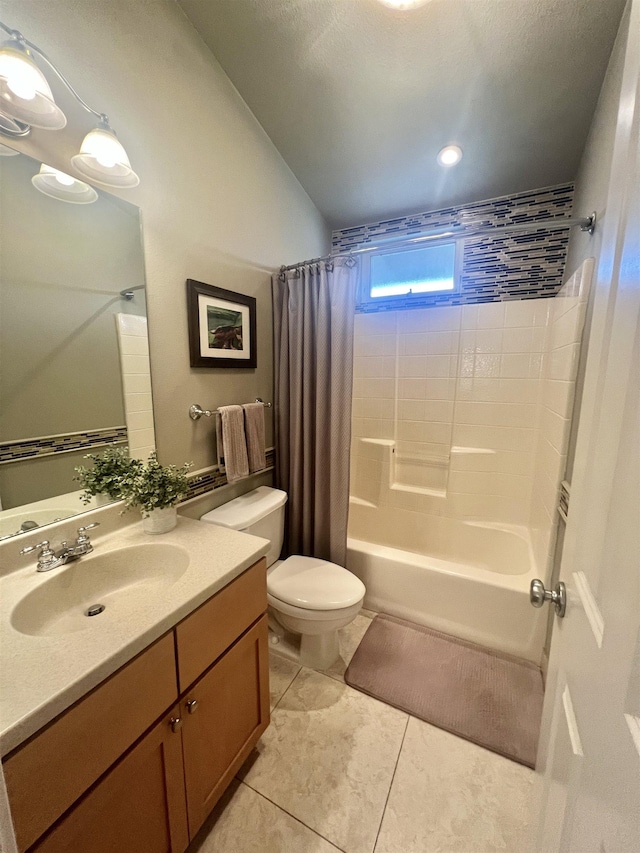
41 676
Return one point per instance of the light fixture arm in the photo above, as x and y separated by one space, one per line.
18 37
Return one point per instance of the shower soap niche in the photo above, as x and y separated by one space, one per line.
424 475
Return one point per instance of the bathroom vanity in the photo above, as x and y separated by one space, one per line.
139 760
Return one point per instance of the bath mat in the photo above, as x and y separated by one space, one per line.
484 696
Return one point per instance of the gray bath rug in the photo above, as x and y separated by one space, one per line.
486 697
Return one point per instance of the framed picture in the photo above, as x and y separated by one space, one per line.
222 326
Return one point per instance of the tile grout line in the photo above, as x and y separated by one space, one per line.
386 802
297 819
280 698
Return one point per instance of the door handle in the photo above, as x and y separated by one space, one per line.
558 596
176 724
192 705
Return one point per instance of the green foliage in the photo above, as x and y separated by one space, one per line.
156 486
112 473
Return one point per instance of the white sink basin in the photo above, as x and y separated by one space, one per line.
116 580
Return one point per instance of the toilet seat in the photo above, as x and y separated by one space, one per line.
308 583
344 615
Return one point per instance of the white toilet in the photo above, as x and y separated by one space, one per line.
307 596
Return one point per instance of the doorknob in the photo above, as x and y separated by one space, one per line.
192 706
558 596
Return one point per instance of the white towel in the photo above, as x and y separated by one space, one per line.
254 430
231 443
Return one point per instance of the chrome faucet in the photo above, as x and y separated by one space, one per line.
82 544
48 558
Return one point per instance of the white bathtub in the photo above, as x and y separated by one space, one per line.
479 591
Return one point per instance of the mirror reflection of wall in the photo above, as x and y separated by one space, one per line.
65 358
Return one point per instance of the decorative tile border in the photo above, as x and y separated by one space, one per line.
213 478
563 500
52 445
495 268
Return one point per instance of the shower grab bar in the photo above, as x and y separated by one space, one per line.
196 411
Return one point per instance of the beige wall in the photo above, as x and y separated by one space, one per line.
218 202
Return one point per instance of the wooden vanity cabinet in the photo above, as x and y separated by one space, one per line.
155 797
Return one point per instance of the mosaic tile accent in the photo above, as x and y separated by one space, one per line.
213 478
563 500
518 265
51 445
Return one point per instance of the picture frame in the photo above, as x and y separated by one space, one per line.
222 326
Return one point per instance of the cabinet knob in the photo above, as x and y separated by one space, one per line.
175 723
192 706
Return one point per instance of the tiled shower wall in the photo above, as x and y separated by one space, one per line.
455 414
566 320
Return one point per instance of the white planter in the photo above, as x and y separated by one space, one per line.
102 499
160 520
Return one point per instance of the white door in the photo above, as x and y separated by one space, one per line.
590 740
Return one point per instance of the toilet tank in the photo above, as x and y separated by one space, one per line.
260 512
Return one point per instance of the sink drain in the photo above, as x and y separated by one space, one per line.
94 610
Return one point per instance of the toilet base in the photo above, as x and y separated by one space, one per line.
316 652
315 632
285 645
319 651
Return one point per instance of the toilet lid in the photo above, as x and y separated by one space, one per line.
314 584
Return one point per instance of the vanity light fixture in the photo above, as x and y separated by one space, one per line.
450 155
63 187
26 101
103 159
25 94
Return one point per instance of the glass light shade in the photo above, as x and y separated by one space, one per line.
103 159
24 92
63 187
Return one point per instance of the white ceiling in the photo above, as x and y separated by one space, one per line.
359 98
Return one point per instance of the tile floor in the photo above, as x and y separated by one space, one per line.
340 771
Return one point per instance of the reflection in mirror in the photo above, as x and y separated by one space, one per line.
74 363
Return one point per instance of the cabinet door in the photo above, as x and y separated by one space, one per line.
138 807
231 713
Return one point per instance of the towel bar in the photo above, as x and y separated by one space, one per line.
196 411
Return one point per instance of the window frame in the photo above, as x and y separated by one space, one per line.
365 288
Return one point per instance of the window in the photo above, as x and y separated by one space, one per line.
402 272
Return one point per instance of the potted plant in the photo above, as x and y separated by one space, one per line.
108 477
155 490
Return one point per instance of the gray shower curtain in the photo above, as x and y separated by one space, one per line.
314 307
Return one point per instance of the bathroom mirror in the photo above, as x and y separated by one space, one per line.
74 363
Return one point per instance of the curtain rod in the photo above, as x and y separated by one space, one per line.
586 223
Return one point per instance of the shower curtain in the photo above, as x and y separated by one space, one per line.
314 307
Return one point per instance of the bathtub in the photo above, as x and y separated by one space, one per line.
479 591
